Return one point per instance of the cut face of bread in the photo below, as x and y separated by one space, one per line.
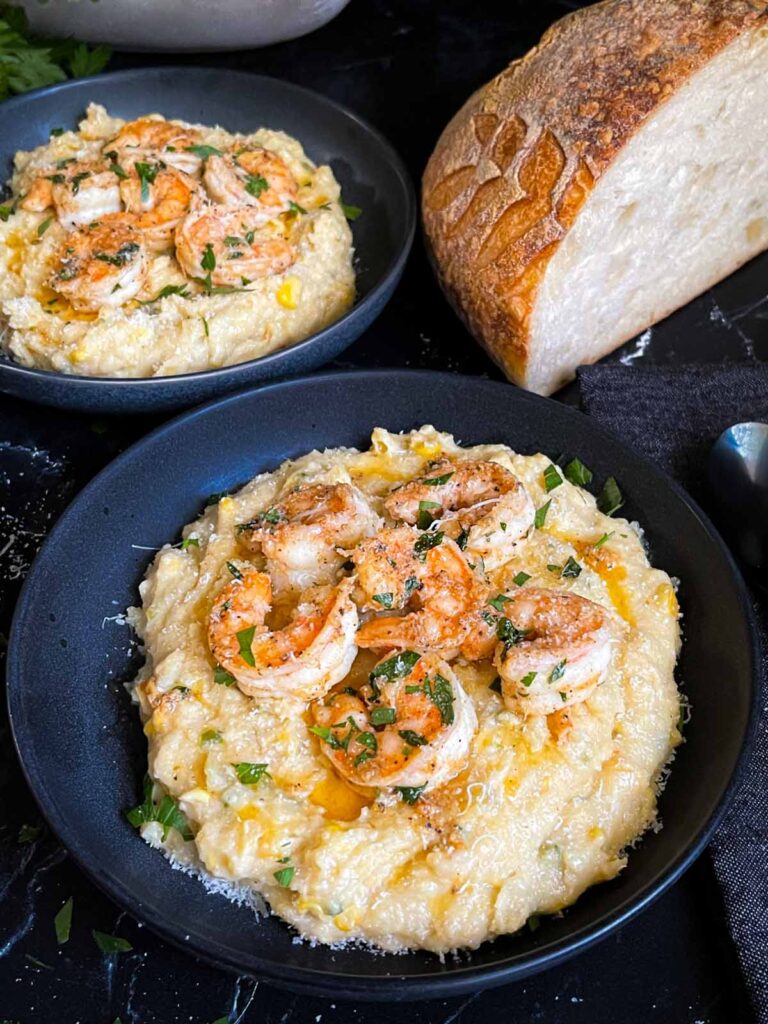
683 204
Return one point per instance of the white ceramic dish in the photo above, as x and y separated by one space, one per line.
177 25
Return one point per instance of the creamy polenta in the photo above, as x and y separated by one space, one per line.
153 247
460 756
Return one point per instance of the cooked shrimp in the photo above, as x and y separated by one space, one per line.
558 649
480 503
255 177
102 265
312 653
304 535
151 140
443 588
157 204
79 192
411 725
225 243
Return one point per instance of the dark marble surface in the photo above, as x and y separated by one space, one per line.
406 65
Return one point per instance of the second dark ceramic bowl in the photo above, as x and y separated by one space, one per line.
371 174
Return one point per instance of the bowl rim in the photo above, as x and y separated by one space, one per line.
271 359
461 978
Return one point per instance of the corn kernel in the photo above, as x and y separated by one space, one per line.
347 919
289 292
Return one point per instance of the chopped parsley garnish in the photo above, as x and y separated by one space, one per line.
167 813
396 667
556 569
147 174
541 515
208 262
170 289
255 185
203 151
234 570
43 227
350 212
521 579
578 473
383 716
410 794
205 327
571 569
411 584
413 739
499 601
28 834
604 539
63 922
552 478
528 679
56 132
210 737
462 539
437 481
57 179
222 677
322 731
533 922
124 255
558 671
610 498
369 741
441 694
495 685
563 695
385 600
427 541
245 639
425 518
295 208
6 211
284 876
251 774
111 943
77 180
190 542
508 632
214 499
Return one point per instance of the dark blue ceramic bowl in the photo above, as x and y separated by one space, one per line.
83 751
371 174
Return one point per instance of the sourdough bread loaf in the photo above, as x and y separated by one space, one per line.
605 179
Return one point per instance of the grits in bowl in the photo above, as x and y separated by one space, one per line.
412 696
155 247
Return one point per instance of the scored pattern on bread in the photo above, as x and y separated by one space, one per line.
514 167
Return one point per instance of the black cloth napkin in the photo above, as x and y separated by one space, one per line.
673 416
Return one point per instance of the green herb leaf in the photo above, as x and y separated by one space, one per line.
245 639
533 922
6 210
499 601
350 212
413 739
396 667
86 60
210 738
256 184
462 539
383 716
411 584
385 600
111 943
410 794
167 813
441 694
563 695
234 570
610 498
63 922
222 677
56 132
528 678
437 481
521 579
425 518
28 834
558 671
208 262
251 774
508 633
556 569
284 876
43 227
571 569
552 478
190 542
295 208
604 539
203 151
427 541
321 730
170 289
578 473
541 515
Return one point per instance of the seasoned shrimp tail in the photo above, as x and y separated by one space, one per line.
411 725
311 654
